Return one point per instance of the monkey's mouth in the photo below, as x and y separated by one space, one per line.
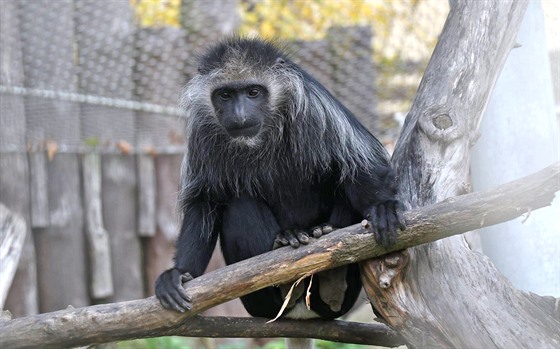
248 131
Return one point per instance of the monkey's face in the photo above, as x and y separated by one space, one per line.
241 108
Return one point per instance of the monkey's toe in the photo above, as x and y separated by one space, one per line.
294 238
321 230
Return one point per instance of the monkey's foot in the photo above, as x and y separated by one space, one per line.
385 219
298 237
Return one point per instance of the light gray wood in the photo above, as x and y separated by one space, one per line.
145 318
447 295
38 183
160 249
61 266
99 249
234 327
146 195
119 186
12 236
14 170
109 74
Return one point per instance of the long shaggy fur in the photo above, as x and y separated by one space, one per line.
308 131
300 162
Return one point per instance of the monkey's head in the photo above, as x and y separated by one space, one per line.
239 84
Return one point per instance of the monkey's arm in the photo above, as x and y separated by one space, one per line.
194 247
373 193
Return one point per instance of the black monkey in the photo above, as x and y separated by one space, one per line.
273 159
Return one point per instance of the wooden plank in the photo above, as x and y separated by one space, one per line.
146 195
99 251
12 236
14 170
107 51
119 185
38 182
48 56
160 249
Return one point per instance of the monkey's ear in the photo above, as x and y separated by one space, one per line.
280 60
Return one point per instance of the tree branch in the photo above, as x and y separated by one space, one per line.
146 318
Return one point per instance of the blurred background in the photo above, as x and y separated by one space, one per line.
91 137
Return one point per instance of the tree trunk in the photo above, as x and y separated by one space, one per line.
447 295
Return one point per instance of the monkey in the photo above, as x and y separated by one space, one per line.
273 159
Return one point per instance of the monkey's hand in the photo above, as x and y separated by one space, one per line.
296 238
171 292
385 219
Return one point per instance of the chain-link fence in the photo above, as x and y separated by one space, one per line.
91 135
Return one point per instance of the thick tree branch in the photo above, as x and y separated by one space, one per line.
146 318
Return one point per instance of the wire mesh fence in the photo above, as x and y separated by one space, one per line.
96 73
91 135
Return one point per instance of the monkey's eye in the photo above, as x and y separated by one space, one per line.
254 92
225 95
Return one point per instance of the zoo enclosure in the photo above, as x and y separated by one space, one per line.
91 139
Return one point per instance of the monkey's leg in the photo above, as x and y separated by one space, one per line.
249 229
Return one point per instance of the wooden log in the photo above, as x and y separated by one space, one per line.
146 318
99 249
12 236
119 185
14 168
446 292
38 184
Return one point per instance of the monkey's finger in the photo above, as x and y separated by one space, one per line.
382 225
381 219
179 302
327 228
164 302
169 303
317 232
302 237
399 209
391 228
294 242
280 241
178 292
376 235
372 217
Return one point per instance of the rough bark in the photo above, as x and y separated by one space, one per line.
446 295
146 318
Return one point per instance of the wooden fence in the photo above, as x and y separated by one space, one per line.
96 180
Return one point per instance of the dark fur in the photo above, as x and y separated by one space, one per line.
311 163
